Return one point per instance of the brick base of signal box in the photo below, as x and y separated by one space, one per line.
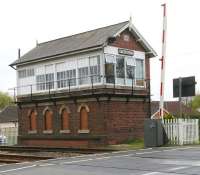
109 122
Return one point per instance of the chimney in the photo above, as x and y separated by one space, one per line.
19 53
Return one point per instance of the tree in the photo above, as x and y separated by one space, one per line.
5 99
196 102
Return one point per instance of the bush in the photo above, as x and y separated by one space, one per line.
168 116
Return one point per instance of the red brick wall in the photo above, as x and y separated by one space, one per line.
116 121
131 44
125 120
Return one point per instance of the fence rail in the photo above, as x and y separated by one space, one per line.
182 131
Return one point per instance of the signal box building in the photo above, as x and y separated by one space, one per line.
85 90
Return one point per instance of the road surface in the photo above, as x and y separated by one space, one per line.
156 161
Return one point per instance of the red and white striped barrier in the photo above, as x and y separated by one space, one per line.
162 83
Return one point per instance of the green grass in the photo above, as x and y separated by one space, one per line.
129 144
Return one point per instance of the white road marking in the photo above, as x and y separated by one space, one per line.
175 149
181 162
46 164
149 152
90 155
114 152
145 149
151 173
16 169
98 158
178 168
112 156
76 161
101 158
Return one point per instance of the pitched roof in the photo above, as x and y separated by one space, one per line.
172 107
90 39
9 114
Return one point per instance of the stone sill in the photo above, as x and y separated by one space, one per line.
83 131
47 131
66 131
32 132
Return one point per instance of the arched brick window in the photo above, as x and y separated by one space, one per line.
33 120
83 119
48 117
64 119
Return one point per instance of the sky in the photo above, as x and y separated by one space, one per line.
23 22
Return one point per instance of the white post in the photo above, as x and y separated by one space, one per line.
181 134
197 131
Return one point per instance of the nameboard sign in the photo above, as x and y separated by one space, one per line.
126 52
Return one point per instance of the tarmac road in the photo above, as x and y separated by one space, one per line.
156 161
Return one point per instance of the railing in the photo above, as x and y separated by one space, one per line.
89 82
182 131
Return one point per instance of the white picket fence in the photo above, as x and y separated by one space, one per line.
8 136
182 131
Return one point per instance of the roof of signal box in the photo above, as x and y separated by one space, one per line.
80 42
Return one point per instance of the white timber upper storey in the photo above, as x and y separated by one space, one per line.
84 70
89 64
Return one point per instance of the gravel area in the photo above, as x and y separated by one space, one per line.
43 154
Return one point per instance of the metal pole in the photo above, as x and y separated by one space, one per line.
132 84
15 95
69 85
163 62
180 95
31 92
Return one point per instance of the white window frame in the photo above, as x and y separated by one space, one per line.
144 72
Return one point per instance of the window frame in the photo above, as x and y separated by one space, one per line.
143 72
126 79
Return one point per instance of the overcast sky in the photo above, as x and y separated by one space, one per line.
22 22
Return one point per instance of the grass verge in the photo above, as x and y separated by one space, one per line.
129 144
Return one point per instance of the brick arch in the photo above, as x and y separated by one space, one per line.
48 119
83 105
45 109
64 114
64 107
32 114
83 110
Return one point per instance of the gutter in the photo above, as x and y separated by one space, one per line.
12 66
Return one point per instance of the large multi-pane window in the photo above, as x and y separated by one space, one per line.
120 69
26 73
125 70
40 80
66 78
50 81
83 71
61 79
130 71
95 69
110 68
139 72
45 81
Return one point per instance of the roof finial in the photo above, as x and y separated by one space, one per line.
130 21
37 43
19 53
